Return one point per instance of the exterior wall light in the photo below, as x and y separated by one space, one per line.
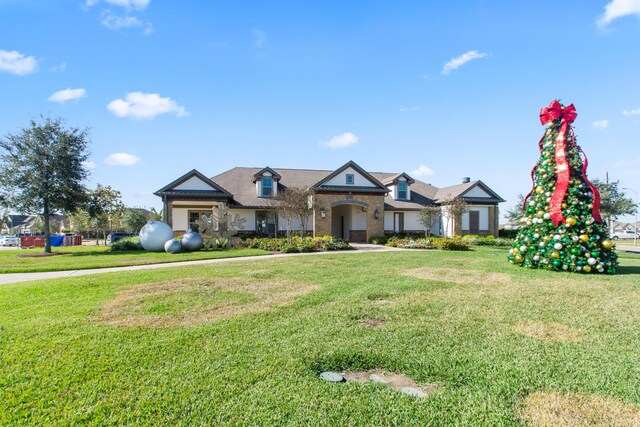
376 214
322 214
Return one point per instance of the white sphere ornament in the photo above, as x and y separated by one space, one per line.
558 246
592 261
191 241
154 235
172 246
547 215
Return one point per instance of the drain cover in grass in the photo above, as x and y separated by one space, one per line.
333 377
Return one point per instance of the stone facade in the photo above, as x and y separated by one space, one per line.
373 203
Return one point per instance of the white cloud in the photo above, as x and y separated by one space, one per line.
340 141
634 112
601 124
60 67
422 172
65 95
458 62
141 105
114 22
127 4
89 164
617 9
409 109
122 159
15 62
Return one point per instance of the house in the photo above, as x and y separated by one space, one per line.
355 204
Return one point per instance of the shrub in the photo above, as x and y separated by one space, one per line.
447 244
127 244
508 234
378 240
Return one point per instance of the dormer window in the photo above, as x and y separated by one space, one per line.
267 186
402 190
350 179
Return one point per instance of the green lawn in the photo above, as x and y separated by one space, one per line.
243 343
85 257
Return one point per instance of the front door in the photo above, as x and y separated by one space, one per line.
398 222
474 222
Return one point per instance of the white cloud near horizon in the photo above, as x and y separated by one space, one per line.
127 4
601 124
141 105
618 9
340 141
634 112
69 94
122 159
14 62
89 164
423 171
459 61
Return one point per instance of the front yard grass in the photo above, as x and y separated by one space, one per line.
244 343
86 257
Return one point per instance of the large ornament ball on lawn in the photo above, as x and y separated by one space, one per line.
191 241
154 235
172 246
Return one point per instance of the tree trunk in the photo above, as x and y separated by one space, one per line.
47 233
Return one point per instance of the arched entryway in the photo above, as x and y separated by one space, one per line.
349 220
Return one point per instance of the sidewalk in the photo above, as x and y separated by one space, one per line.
9 278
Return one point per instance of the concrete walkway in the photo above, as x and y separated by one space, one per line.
28 277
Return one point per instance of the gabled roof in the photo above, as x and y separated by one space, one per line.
393 179
261 172
209 189
378 187
448 193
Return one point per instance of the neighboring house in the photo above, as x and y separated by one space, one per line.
356 204
29 224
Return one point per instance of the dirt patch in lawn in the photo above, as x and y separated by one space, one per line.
394 381
462 276
560 410
196 301
556 332
371 323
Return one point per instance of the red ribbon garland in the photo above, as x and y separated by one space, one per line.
568 114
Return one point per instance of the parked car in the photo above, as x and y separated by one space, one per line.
626 234
117 235
9 240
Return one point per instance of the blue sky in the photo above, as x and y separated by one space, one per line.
440 91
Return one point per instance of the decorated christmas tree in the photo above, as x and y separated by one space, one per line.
561 227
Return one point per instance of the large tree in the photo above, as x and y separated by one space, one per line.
42 170
613 202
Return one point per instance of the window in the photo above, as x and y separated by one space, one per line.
195 216
267 186
266 223
350 179
402 190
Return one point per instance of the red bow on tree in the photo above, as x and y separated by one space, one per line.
555 110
